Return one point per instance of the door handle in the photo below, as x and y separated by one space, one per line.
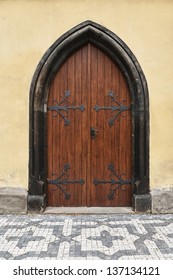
93 132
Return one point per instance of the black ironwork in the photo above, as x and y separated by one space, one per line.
62 110
119 182
117 109
93 132
63 180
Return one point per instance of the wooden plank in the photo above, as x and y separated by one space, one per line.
49 149
128 201
125 140
70 147
93 94
85 122
115 135
56 142
100 157
77 130
108 130
88 127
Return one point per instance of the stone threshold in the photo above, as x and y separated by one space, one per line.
88 210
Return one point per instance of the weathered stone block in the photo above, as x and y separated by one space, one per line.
36 203
162 200
13 201
142 203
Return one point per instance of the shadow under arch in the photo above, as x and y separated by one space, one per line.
119 52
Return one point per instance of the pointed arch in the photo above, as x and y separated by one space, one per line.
54 57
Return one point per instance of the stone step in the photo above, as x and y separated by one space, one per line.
88 210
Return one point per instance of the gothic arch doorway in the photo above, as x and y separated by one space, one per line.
98 155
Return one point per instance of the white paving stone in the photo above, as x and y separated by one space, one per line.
87 237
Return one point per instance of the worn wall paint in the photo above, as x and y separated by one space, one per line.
28 28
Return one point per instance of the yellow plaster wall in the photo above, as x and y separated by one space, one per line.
29 27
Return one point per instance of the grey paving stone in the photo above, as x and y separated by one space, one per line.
114 236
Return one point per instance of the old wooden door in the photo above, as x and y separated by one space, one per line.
89 133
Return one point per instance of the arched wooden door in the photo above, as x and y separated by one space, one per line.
89 133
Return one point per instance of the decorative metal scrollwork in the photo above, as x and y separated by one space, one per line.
114 109
119 182
63 180
62 108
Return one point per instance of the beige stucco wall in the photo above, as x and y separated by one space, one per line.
28 28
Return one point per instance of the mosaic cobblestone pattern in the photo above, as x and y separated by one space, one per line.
86 237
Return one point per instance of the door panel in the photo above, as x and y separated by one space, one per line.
112 144
84 170
68 134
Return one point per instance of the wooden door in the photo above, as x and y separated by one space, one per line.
89 133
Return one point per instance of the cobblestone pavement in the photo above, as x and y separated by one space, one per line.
86 237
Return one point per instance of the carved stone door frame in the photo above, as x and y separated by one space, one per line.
118 51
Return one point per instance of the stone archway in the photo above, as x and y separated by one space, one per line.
116 49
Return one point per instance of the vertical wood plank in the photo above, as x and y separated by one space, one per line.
85 122
100 195
128 201
78 132
115 136
71 135
94 141
88 127
49 149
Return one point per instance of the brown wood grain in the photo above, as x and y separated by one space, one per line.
89 75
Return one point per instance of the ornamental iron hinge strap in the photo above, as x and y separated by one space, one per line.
62 108
63 180
118 109
119 182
